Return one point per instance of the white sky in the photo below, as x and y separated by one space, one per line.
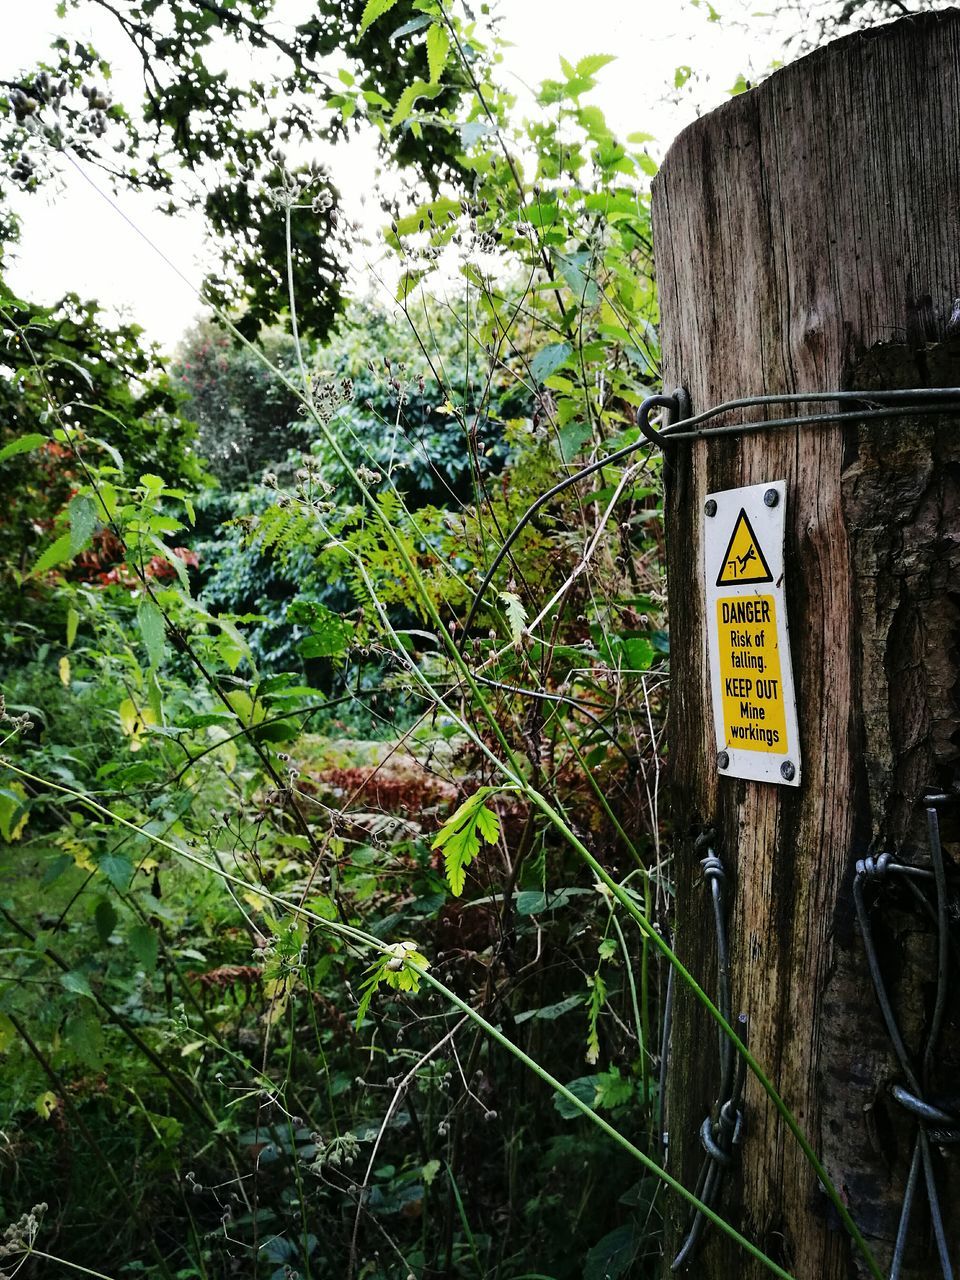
73 240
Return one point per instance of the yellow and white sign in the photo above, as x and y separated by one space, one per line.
754 705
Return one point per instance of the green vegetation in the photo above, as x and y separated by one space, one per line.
334 927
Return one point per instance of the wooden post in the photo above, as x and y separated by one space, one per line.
808 239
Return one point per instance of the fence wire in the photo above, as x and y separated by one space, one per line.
721 1130
938 1120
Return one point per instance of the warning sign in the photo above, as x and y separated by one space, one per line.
754 705
744 563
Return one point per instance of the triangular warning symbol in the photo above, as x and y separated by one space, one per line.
744 562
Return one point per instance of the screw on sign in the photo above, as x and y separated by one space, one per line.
754 706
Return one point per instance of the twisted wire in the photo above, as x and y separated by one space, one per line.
937 1124
720 1136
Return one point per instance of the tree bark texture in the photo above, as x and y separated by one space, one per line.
808 239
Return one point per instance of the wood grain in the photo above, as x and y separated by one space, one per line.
800 230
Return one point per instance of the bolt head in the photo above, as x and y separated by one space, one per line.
788 770
723 760
710 507
771 498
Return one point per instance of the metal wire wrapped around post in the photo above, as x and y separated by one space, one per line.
721 1130
937 1125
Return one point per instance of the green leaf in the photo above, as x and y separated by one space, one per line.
516 615
373 10
330 635
233 647
118 869
576 269
13 811
25 444
438 47
595 1001
549 359
55 554
614 1255
410 96
614 1090
460 837
408 28
593 62
77 983
105 918
572 439
144 945
152 627
408 282
584 1088
73 619
83 521
83 1036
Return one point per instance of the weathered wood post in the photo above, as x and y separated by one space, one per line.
808 239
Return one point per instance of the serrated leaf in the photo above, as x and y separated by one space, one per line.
118 870
45 1104
415 24
460 837
152 629
144 945
134 719
409 98
438 47
83 521
592 63
105 918
83 1036
373 10
25 444
55 554
614 1255
549 359
584 1088
77 983
13 811
516 615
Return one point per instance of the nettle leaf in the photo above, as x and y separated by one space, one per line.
410 97
614 1255
152 626
593 62
105 918
83 521
516 615
438 47
460 836
55 554
25 444
118 869
77 983
549 359
577 271
373 10
144 945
